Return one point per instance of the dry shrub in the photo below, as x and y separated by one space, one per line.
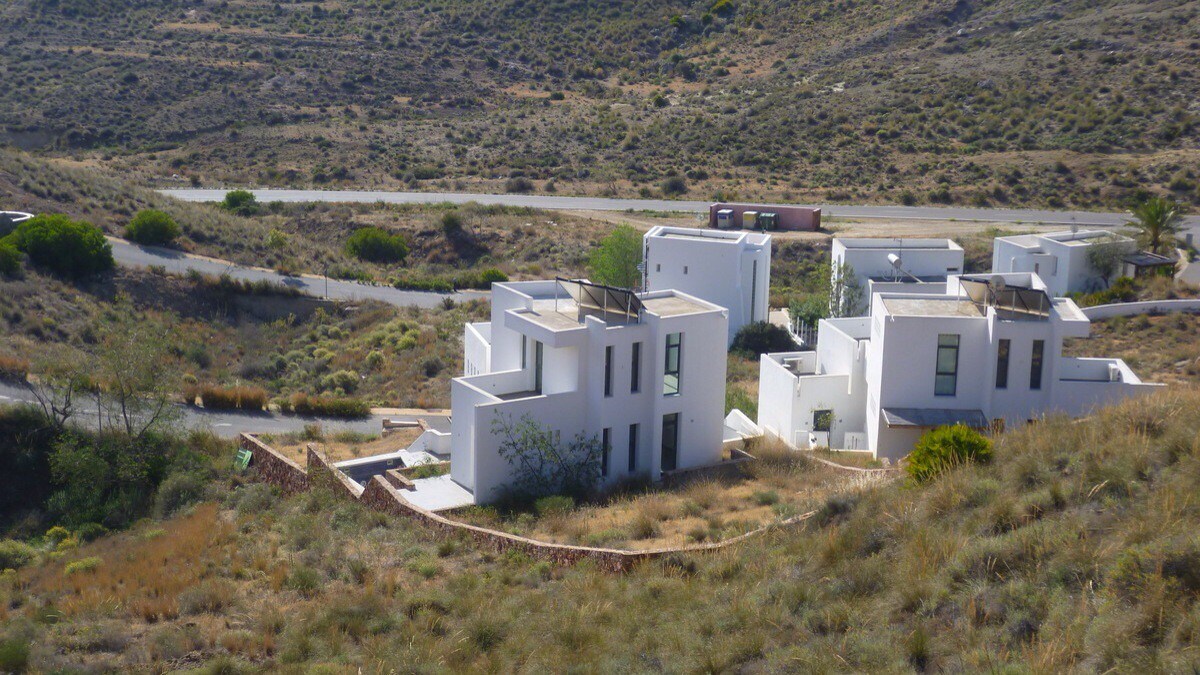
233 398
13 368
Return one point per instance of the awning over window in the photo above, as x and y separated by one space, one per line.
1148 259
932 417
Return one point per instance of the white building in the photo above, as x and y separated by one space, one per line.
644 373
988 353
728 268
1062 259
894 264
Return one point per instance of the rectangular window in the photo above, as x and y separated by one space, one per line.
605 450
671 364
822 420
1035 364
633 442
658 268
524 352
945 380
608 366
1002 364
635 368
685 269
537 367
670 442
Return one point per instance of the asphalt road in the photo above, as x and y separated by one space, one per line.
176 262
561 203
230 424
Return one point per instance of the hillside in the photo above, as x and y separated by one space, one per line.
1075 550
1076 103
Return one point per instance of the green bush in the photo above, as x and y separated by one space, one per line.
88 564
177 491
232 398
241 202
761 337
554 505
152 227
69 248
14 656
15 554
90 531
10 260
944 448
491 276
376 245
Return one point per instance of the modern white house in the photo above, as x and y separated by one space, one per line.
1064 260
642 372
729 268
987 352
895 264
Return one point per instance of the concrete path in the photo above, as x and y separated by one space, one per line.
229 424
129 254
561 203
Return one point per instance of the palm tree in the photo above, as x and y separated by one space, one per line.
1159 219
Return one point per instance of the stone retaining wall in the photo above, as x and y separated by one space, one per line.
271 467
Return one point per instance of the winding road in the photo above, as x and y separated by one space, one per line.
129 254
229 424
561 203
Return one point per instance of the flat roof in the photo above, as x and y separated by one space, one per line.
707 234
438 494
673 305
565 314
892 243
931 306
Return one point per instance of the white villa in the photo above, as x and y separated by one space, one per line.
894 264
1063 259
643 372
989 351
729 268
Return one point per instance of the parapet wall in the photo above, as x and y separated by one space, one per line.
271 467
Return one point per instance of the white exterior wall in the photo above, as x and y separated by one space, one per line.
728 269
920 257
477 349
896 366
572 399
1059 258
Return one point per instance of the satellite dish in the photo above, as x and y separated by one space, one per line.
997 282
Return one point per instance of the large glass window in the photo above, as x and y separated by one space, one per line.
633 443
670 442
945 381
608 366
635 377
1002 364
605 450
671 364
1035 364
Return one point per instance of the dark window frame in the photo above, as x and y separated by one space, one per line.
605 450
1003 354
608 371
1036 364
671 420
669 372
939 374
635 377
633 443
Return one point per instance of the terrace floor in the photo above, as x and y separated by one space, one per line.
438 494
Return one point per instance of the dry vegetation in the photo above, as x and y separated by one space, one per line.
285 345
1163 348
1075 550
780 485
991 102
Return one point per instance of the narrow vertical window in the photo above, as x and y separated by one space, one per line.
537 366
605 450
633 443
671 364
670 442
1035 364
945 381
524 352
1002 363
635 368
608 366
